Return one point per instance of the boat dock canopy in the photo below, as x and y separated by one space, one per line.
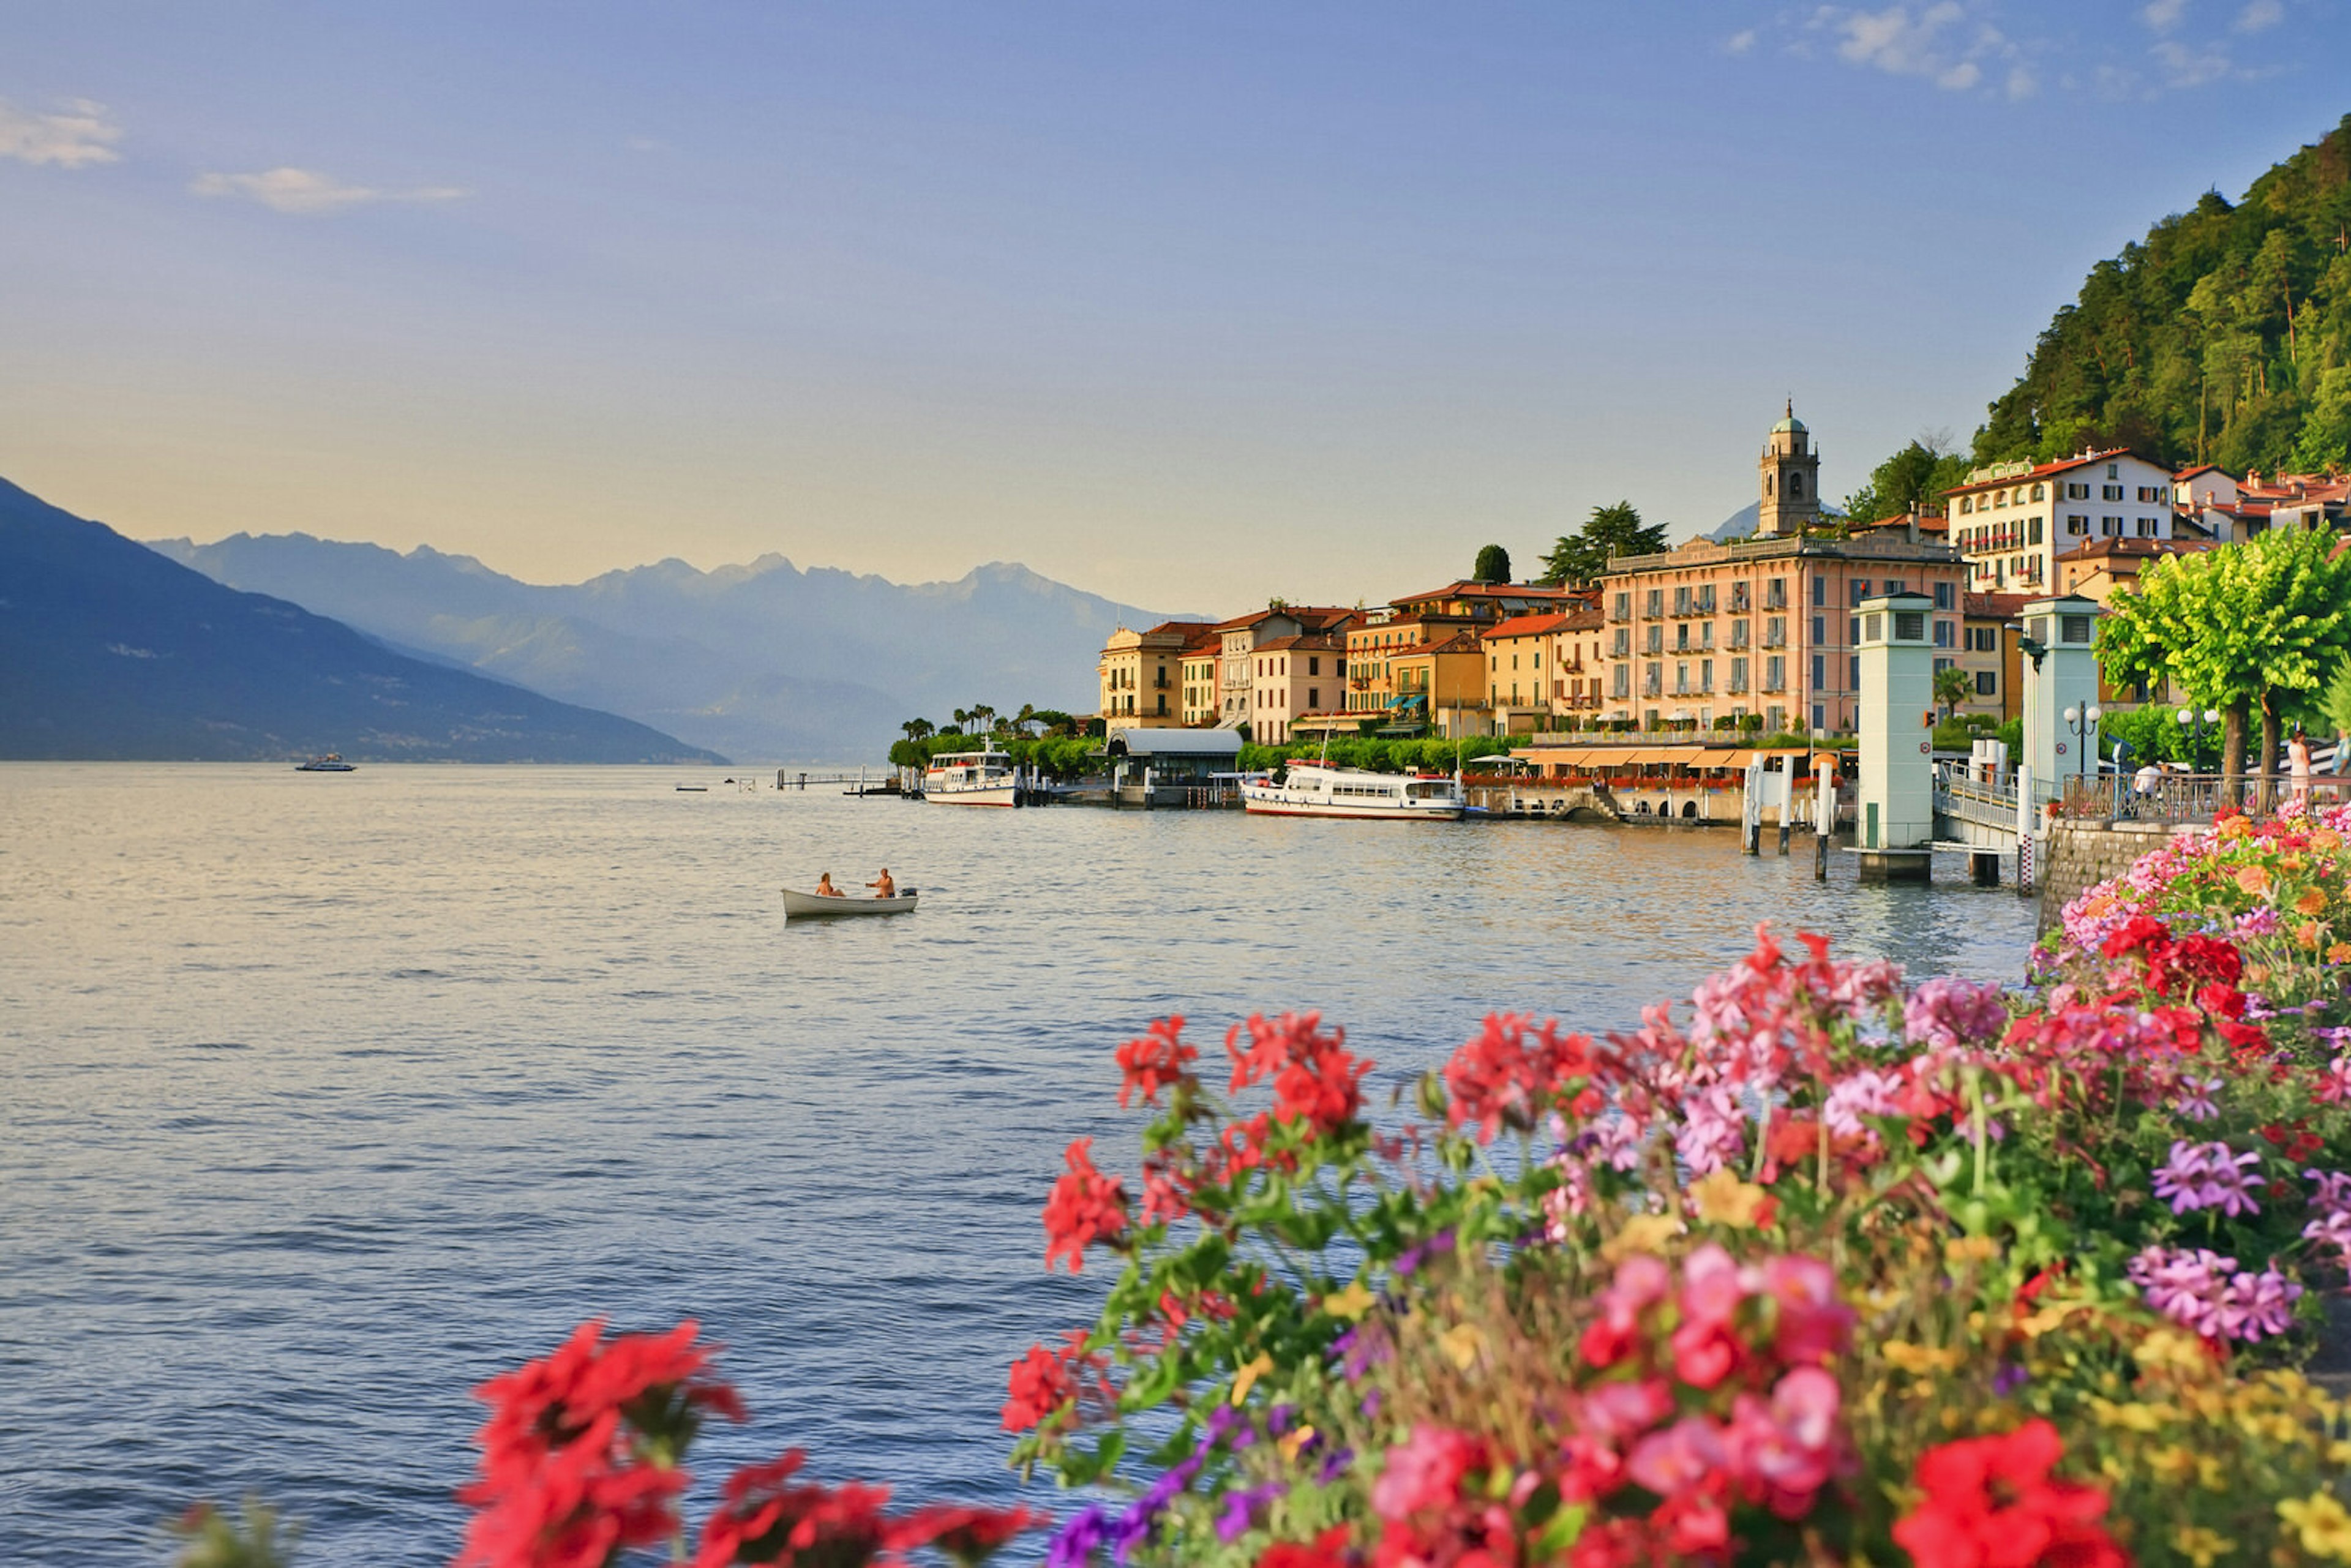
1206 745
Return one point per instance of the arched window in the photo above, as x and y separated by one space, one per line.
1768 480
1795 487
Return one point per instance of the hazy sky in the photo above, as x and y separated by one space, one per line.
1187 304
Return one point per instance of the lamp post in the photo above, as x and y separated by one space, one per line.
2083 722
2196 724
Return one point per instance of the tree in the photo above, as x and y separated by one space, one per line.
1914 476
1610 530
1952 688
2256 628
919 729
1493 565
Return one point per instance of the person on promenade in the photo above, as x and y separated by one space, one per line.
2297 761
824 888
2148 780
882 886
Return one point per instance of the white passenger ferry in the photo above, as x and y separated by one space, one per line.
971 778
1312 790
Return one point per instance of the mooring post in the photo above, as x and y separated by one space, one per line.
1823 814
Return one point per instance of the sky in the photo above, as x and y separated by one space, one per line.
1191 304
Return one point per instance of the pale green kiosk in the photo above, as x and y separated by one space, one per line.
1894 823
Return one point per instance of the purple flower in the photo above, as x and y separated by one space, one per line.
2207 1175
1946 1012
1074 1544
2009 1379
2196 1101
1335 1465
2210 1296
1240 1510
2261 922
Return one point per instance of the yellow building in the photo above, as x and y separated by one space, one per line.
1141 675
1443 685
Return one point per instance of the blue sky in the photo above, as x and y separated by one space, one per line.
1186 303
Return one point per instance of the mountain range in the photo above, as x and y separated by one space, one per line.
109 650
763 660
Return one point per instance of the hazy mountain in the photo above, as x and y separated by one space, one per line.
760 661
1740 524
108 651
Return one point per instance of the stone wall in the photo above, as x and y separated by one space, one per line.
2080 853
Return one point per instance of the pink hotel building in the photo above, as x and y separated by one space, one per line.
1768 625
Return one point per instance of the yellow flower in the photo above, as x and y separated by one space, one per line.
2322 1524
1962 1250
1642 1233
1249 1375
2200 1546
2308 936
2131 1418
1909 1357
2311 902
1298 1438
2235 828
2172 1463
1462 1343
1350 1303
1721 1199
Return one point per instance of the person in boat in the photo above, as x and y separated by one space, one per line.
882 886
824 888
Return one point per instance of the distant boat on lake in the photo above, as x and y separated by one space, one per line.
982 777
813 905
332 763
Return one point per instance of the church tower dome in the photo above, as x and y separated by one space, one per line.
1791 477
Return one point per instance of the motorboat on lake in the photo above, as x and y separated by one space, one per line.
1316 790
800 906
984 778
330 763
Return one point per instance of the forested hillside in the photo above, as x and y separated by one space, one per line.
2223 336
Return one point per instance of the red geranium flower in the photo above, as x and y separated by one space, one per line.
964 1534
1085 1206
1044 1381
1990 1504
1159 1059
1328 1550
761 1519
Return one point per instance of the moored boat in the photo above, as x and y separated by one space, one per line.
1315 789
982 777
816 905
332 762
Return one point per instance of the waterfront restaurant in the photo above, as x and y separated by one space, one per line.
1691 783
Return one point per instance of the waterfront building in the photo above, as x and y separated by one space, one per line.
1443 685
1482 604
2011 520
1203 649
1537 673
1140 671
1240 676
1990 629
1766 626
1293 676
2097 567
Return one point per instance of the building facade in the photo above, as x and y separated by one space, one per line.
1790 477
1139 674
2012 520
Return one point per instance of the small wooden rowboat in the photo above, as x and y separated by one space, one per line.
809 906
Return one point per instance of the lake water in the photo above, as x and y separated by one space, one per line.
324 1097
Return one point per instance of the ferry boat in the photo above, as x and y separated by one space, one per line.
1313 789
332 763
971 778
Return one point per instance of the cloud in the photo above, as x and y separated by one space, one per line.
2186 67
290 190
1739 43
2162 16
1941 42
83 134
2259 13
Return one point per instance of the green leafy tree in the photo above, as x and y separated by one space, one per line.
1914 476
2335 709
1611 530
1952 688
919 729
1493 565
2251 629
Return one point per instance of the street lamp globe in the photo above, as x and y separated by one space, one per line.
2187 717
2097 713
2073 715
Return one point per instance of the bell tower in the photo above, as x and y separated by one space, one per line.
1792 479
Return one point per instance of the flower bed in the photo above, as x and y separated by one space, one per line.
1822 1268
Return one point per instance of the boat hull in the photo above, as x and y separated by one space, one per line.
983 795
800 906
1276 807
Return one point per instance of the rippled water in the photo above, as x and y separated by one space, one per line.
323 1097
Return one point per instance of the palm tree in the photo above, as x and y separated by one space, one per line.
981 714
919 729
1952 688
961 718
1022 720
